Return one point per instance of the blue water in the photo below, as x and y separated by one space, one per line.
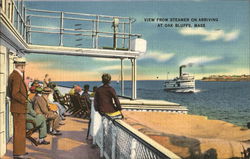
228 101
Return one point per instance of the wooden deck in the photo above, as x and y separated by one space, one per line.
70 145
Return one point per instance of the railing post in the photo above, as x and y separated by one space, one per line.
61 29
129 36
12 10
122 80
93 34
113 142
96 31
124 36
24 25
102 138
133 62
28 33
133 149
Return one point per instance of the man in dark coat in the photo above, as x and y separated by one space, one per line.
17 91
104 97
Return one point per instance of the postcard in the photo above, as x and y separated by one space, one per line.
125 79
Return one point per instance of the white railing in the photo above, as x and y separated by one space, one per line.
118 140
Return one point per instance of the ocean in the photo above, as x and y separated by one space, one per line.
228 101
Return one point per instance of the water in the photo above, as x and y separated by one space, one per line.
228 101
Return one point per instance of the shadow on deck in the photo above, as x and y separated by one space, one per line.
70 145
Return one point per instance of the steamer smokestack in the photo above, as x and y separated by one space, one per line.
181 69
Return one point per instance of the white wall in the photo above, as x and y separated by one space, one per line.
6 67
3 51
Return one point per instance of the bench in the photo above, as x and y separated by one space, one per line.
31 131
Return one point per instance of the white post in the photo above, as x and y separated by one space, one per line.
122 80
102 138
113 141
133 61
61 29
133 148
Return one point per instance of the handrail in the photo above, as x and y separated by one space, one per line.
118 124
99 30
75 13
116 139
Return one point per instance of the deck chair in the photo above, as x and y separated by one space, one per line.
31 131
58 98
72 107
79 106
67 100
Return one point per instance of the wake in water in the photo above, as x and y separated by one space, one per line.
197 91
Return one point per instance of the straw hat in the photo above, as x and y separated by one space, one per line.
20 60
33 89
46 90
39 89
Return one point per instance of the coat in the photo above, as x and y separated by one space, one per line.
104 97
18 93
41 106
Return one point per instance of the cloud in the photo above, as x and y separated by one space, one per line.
158 56
113 67
201 60
211 35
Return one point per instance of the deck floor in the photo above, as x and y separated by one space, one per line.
70 145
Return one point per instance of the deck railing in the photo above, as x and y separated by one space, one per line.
116 139
15 11
81 30
58 28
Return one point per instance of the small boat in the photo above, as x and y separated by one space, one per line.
184 83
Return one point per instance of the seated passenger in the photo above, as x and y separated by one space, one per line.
35 83
57 107
41 107
72 90
40 122
77 89
86 96
94 90
104 97
32 92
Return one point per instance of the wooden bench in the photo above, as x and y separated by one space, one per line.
31 131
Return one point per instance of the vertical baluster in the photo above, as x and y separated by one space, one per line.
102 137
113 141
133 148
96 31
130 30
61 29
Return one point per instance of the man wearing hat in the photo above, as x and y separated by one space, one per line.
41 107
38 119
18 94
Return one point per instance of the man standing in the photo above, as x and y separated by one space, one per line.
18 93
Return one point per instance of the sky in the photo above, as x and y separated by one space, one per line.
220 46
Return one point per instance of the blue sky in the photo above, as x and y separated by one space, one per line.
221 47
